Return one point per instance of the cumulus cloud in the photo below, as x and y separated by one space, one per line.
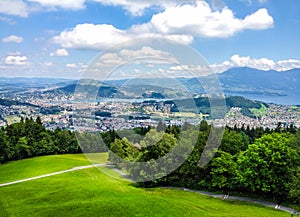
64 4
16 60
202 21
91 36
60 53
14 7
288 64
258 20
262 63
101 36
182 23
13 39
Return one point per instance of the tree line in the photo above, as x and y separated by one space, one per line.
29 138
257 162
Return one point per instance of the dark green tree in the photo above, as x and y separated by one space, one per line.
4 148
121 151
223 171
267 166
232 142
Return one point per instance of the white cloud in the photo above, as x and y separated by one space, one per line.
258 20
16 60
288 64
64 4
202 21
90 36
98 37
71 65
262 63
14 7
182 23
76 65
13 38
60 53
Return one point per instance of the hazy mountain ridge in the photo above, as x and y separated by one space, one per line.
239 80
270 82
33 82
242 81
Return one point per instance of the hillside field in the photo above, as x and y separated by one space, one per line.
90 192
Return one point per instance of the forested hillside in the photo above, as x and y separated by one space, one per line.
255 162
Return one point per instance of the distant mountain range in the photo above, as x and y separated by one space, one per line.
32 82
282 87
90 87
271 86
251 80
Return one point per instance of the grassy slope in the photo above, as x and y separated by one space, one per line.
42 165
92 193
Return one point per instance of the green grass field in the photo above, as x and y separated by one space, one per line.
48 164
90 192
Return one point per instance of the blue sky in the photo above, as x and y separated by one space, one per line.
58 38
